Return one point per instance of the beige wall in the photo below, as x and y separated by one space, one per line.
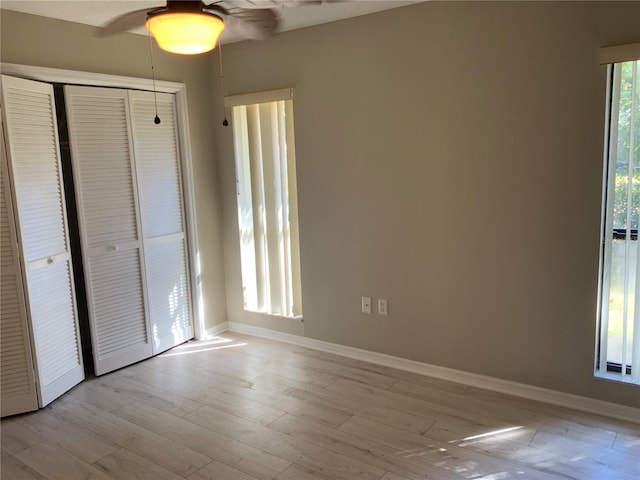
449 160
32 40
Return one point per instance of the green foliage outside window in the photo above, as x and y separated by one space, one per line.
625 133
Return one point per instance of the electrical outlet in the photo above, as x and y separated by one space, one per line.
383 306
366 304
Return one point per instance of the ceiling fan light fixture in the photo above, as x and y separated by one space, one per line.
185 33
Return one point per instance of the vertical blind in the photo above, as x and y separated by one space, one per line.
619 334
267 201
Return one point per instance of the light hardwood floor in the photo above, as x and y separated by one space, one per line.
243 408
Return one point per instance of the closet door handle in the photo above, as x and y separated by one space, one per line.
50 260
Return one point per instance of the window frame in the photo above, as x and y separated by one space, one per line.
265 186
613 57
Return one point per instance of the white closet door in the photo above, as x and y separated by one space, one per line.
106 193
17 383
161 205
36 173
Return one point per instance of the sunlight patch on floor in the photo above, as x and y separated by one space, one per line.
216 343
492 433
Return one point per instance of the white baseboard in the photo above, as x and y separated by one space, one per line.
217 330
577 402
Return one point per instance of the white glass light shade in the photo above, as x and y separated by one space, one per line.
186 33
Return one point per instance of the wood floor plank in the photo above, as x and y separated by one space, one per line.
55 463
353 446
456 433
389 399
512 413
440 457
310 395
190 387
13 469
393 476
311 364
579 419
303 375
126 465
84 444
324 414
219 471
296 451
239 455
628 443
268 345
623 462
132 389
365 408
296 472
14 437
180 365
410 377
275 397
513 446
90 393
173 456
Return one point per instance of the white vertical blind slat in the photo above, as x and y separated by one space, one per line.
292 197
272 206
258 206
245 210
287 287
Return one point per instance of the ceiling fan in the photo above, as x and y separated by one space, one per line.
190 27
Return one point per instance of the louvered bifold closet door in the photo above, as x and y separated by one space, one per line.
161 205
36 176
111 237
17 383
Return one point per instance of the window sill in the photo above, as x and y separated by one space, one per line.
616 377
297 318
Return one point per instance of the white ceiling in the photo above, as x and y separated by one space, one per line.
99 12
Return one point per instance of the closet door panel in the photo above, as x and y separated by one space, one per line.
169 297
162 213
117 298
50 294
36 174
17 382
106 192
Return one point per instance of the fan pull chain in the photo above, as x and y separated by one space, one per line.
156 120
225 123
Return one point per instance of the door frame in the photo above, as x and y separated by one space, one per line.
56 75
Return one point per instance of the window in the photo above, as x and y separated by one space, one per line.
267 201
618 352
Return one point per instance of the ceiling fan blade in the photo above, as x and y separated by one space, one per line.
125 22
251 24
263 4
